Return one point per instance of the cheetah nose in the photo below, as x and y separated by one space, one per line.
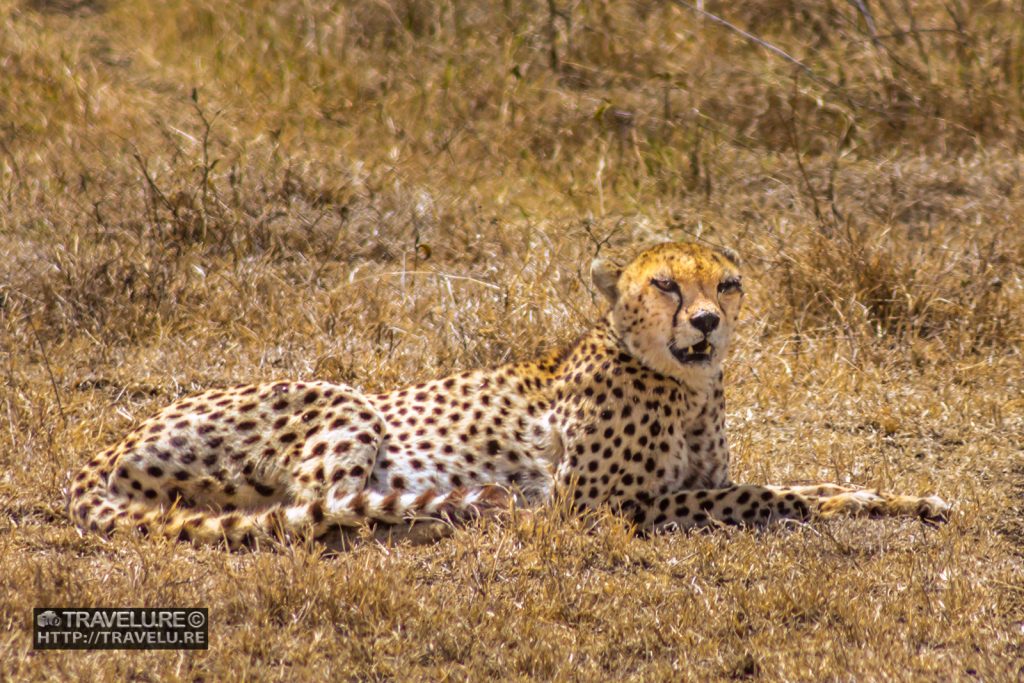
705 321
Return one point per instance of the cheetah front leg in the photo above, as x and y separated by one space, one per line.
738 505
755 505
832 500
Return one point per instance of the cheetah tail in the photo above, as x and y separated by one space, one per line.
267 527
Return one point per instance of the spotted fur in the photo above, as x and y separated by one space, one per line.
632 416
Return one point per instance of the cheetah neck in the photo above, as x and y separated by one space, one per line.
597 373
605 350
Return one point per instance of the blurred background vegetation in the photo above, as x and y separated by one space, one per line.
863 153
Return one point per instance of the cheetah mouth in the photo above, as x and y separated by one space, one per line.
698 353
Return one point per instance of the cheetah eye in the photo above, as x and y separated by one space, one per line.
729 286
665 285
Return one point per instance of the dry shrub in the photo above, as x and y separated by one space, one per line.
872 283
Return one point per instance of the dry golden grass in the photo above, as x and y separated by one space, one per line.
382 192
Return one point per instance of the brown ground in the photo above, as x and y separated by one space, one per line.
381 192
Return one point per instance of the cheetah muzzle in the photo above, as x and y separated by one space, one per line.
700 352
624 418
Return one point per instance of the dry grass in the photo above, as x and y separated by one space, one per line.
382 192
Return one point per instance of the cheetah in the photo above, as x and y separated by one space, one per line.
631 416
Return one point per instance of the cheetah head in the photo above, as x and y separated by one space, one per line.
674 306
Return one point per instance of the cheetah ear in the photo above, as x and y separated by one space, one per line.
606 278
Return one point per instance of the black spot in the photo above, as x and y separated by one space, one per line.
316 512
263 489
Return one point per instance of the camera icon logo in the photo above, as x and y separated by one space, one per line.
48 618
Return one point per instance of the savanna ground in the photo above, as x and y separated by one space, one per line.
194 194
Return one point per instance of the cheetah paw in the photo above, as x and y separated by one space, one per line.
931 509
852 504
